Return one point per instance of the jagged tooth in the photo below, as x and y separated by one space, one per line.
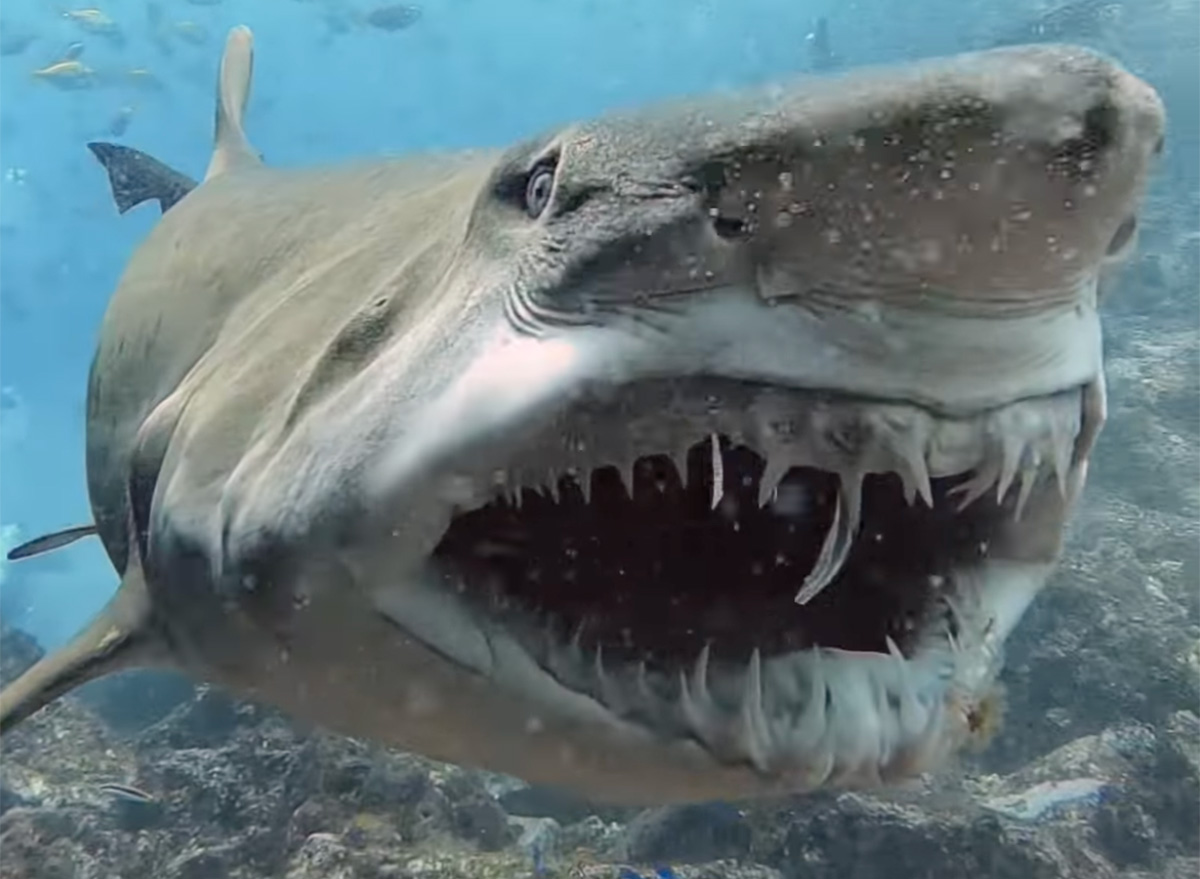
838 541
693 714
718 471
1012 449
700 678
977 486
810 728
1093 414
551 485
915 476
643 685
753 734
911 714
1029 476
694 699
956 611
773 473
610 692
1063 448
575 648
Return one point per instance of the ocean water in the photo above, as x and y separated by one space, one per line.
336 80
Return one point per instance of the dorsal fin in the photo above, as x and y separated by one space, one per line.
136 177
231 149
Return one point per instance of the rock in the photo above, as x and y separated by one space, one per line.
539 838
687 833
479 819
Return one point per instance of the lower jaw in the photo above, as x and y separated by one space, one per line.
816 718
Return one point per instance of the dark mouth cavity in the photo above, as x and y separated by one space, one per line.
654 574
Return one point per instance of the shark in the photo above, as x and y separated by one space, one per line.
706 449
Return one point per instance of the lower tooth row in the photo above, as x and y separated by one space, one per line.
861 711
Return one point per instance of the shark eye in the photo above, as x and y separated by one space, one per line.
538 189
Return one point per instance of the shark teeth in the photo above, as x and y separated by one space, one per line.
820 715
1006 451
994 451
835 549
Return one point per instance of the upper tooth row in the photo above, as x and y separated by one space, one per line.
1017 444
853 439
850 438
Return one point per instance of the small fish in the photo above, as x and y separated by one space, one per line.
205 2
96 22
659 873
57 539
73 51
68 75
395 17
127 792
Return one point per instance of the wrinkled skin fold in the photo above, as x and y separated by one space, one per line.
712 450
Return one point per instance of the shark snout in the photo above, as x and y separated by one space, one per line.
1009 177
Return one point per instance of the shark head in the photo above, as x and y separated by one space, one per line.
708 450
770 414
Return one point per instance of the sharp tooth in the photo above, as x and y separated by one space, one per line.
718 471
752 732
976 487
643 685
912 716
575 648
1029 476
700 678
1094 413
1063 445
915 476
694 699
777 468
838 541
583 479
551 485
1012 449
805 737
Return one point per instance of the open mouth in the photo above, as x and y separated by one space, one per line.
752 567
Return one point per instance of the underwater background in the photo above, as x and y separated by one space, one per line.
1096 769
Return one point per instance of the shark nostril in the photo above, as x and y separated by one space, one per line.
1122 236
731 228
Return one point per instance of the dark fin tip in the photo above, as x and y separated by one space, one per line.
135 177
